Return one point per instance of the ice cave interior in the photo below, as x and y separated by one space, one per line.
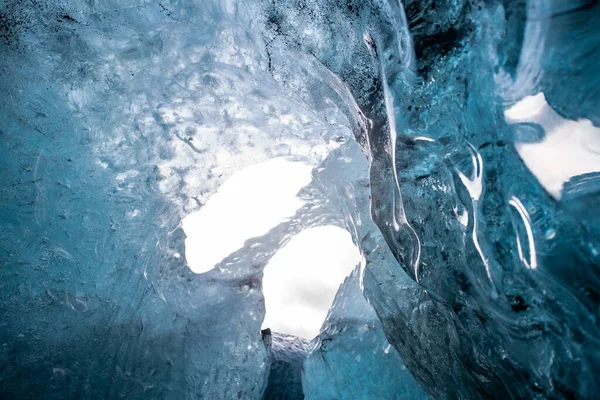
300 199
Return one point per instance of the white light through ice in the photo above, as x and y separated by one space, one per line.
569 148
247 205
301 280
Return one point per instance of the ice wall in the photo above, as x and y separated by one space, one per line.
120 118
286 357
505 305
351 358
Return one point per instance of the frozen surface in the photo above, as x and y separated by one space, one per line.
286 355
351 358
120 118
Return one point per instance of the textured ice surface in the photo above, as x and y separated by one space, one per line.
119 118
251 202
286 356
351 358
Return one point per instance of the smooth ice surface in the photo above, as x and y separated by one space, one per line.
302 279
120 118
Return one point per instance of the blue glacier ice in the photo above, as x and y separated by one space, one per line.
456 140
351 358
286 357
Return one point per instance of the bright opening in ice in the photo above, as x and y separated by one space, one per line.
301 280
247 205
569 148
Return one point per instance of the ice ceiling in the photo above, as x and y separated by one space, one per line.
455 141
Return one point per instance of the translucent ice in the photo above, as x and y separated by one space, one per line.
351 358
481 255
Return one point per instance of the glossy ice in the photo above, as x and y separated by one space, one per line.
119 118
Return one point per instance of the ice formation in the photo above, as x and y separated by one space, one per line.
427 124
351 358
250 203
